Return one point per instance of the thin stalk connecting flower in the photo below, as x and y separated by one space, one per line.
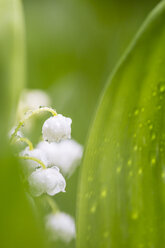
27 141
52 204
34 159
29 114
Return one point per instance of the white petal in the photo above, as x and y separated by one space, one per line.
37 182
48 181
57 128
65 154
36 153
32 99
54 181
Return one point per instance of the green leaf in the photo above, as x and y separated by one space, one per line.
19 227
122 189
12 56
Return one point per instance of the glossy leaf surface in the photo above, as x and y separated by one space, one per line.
122 190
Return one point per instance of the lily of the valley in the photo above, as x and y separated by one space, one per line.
61 226
36 153
66 154
48 181
57 128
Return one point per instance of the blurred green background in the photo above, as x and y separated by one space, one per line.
72 47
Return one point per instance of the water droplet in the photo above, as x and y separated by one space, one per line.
135 148
140 171
153 137
135 216
104 193
150 127
134 135
118 170
88 195
163 175
140 125
93 209
129 162
162 88
159 107
153 161
136 112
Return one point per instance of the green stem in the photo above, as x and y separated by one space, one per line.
34 159
52 204
30 114
27 141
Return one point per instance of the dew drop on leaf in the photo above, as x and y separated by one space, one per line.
153 137
135 148
104 193
134 216
136 112
93 209
153 161
129 162
118 170
140 171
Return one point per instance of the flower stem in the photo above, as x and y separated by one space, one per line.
27 141
52 204
30 114
34 159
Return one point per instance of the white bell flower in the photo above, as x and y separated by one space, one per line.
35 153
61 226
57 128
32 99
48 181
66 154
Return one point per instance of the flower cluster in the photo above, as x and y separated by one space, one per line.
47 165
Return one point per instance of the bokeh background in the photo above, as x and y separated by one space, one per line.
71 48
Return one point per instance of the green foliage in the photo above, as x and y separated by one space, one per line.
12 56
122 191
19 226
72 46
